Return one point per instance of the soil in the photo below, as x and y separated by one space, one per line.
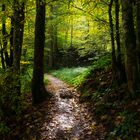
62 117
65 118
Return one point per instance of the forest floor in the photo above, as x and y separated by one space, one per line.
62 117
103 113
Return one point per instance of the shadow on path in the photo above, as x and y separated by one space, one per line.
65 118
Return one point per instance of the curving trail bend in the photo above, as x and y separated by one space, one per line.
65 117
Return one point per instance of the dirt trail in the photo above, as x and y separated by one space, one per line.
65 117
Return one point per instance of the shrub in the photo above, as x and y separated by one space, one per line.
11 102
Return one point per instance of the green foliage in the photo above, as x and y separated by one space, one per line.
3 128
129 128
97 96
103 62
73 76
45 79
76 76
26 77
11 103
81 77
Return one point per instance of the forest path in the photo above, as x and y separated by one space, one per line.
65 117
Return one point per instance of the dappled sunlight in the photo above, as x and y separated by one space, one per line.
69 70
69 118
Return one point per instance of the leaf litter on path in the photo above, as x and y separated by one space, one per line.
64 117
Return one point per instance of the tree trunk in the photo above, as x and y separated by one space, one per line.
120 67
55 43
138 29
22 21
130 45
67 28
51 55
18 34
71 24
51 33
53 40
11 41
71 38
17 41
66 37
112 38
38 89
4 34
55 47
118 33
2 57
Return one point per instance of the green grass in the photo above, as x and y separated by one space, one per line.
77 75
73 76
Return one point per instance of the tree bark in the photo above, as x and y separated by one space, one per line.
38 89
138 29
4 36
112 38
54 47
117 8
2 57
22 21
17 42
53 40
18 34
56 51
51 34
51 55
120 66
71 37
130 45
2 54
11 41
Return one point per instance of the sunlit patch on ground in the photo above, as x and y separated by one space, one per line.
69 120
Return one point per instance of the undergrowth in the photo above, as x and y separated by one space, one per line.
109 103
12 104
77 75
73 76
26 77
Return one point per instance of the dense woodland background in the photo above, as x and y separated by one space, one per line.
93 45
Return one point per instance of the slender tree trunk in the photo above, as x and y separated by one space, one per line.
112 38
120 67
4 34
51 33
51 55
71 41
138 29
56 51
22 21
117 7
130 45
38 89
2 57
67 29
53 40
66 39
18 34
88 28
71 28
11 41
17 42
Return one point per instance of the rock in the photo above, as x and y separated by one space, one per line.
66 95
